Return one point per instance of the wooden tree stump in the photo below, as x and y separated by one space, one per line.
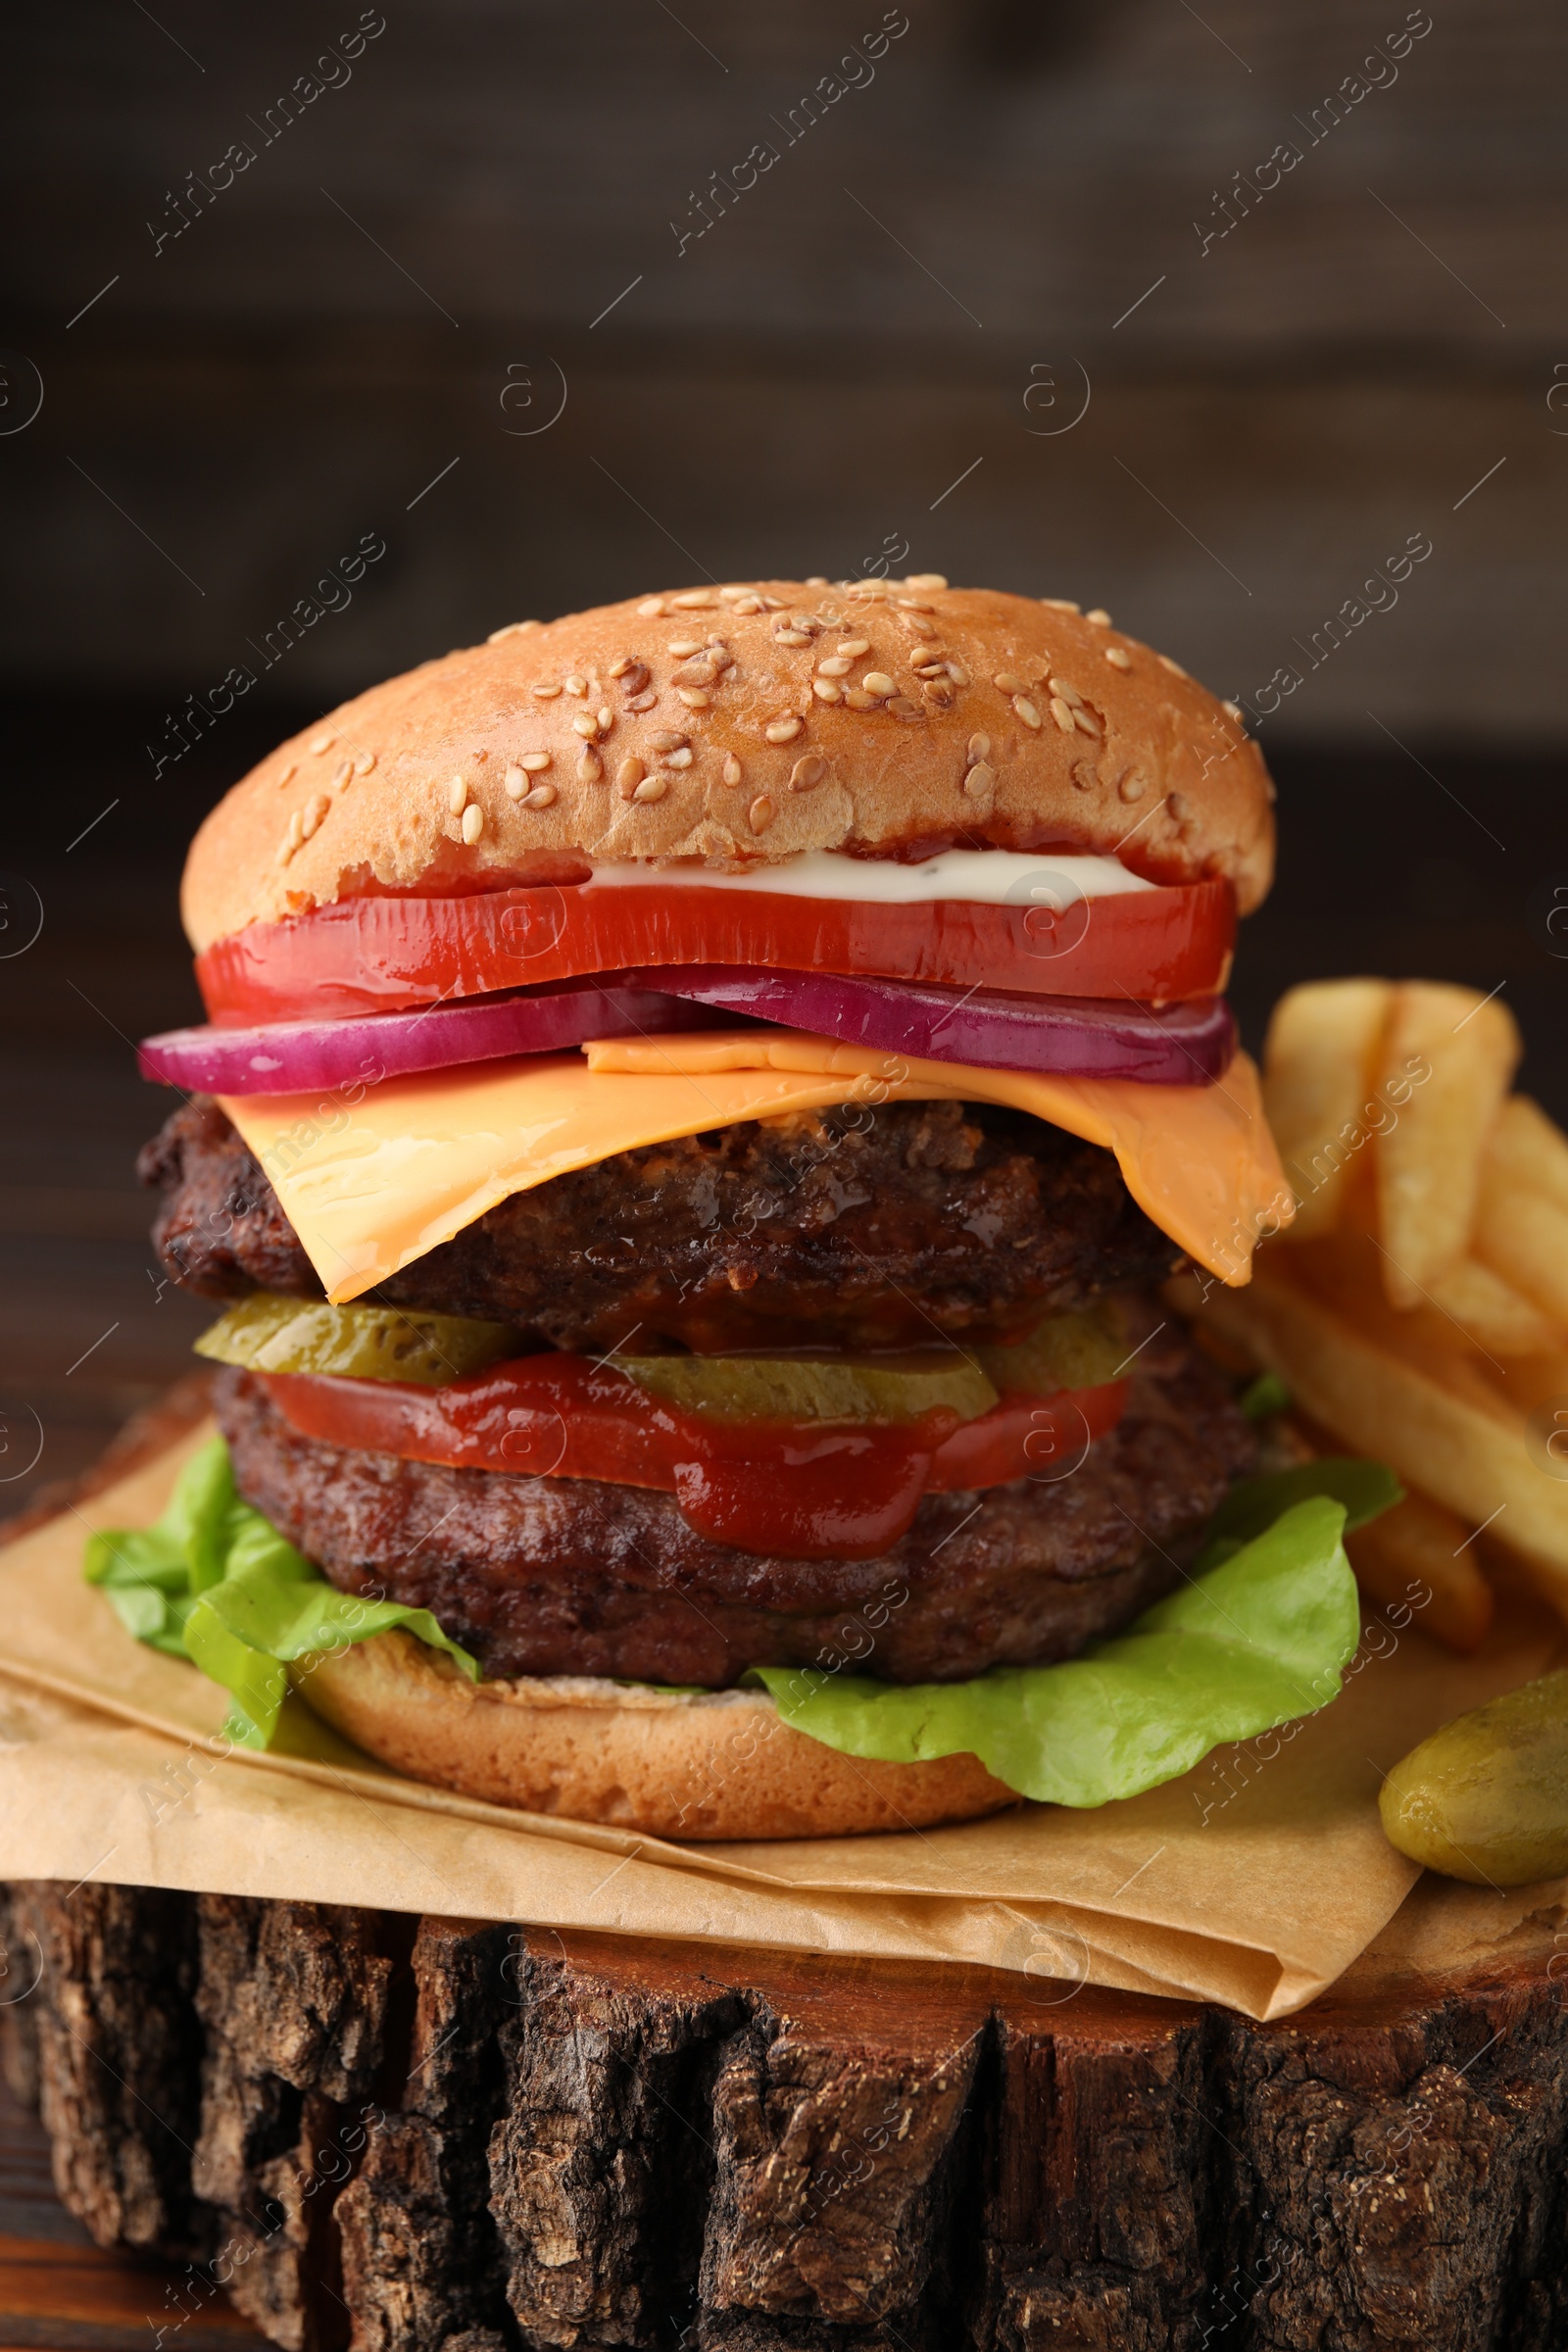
408 2134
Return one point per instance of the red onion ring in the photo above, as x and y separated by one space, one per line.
1190 1043
1072 1036
286 1058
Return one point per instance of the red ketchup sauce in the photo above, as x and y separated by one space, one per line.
801 1489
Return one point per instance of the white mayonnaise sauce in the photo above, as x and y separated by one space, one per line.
989 877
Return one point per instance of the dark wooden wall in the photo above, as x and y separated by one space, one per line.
914 295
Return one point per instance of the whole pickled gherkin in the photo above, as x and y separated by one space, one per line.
269 1334
1486 1798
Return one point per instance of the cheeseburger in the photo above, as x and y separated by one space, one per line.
699 1100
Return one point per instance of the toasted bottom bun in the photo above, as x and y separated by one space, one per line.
705 1764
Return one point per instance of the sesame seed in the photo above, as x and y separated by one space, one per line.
1085 724
1118 657
1100 616
633 678
1062 713
854 647
542 797
546 693
472 823
628 775
585 723
1061 604
513 628
607 718
458 795
728 596
1132 787
957 673
808 773
576 685
938 691
515 782
979 780
680 647
747 604
1179 804
733 771
365 763
783 730
925 579
1175 668
1006 683
761 814
877 682
285 774
651 608
901 707
322 744
791 637
663 740
918 628
979 748
837 665
875 590
906 603
827 690
859 699
1068 694
681 759
1026 711
343 771
314 810
652 788
621 663
590 767
1235 710
930 669
695 697
691 599
643 700
534 762
816 579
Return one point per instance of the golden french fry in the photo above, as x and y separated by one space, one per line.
1492 1312
1318 1068
1424 1557
1453 1054
1526 1149
1435 1419
1521 1234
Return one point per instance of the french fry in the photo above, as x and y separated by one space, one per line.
1318 1066
1492 1312
1452 1054
1521 1234
1526 1149
1433 1420
1420 1554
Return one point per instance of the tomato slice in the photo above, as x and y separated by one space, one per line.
385 955
799 1489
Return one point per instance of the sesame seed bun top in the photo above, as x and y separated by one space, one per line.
744 724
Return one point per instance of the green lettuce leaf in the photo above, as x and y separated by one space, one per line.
1261 1634
213 1582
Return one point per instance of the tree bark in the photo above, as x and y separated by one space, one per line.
408 2136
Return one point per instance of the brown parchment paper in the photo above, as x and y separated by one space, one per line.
1255 1881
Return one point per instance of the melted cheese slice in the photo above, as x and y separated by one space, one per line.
372 1186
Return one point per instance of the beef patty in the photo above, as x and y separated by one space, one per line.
850 1228
573 1576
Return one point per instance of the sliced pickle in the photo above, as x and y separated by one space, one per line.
799 1387
269 1334
1064 1351
1487 1797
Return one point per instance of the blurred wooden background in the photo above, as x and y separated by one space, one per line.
987 214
